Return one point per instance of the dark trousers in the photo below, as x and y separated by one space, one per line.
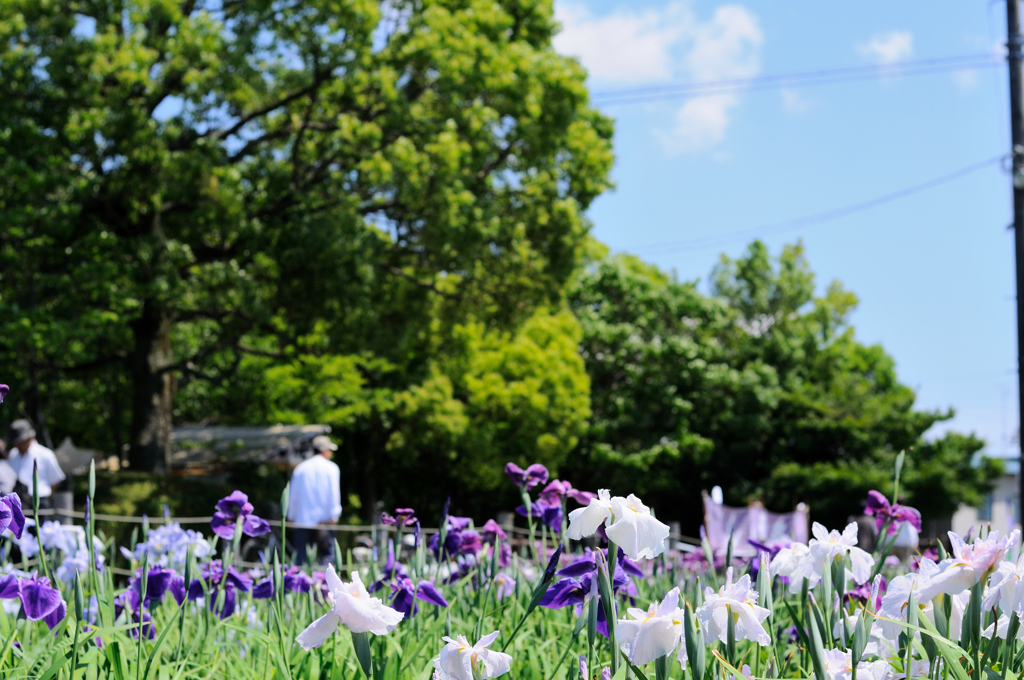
321 539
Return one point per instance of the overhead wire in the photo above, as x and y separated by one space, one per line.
800 79
814 219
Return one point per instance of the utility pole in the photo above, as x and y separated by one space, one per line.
1013 56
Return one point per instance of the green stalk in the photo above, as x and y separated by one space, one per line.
608 600
35 513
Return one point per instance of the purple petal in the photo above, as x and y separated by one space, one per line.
584 564
236 503
240 581
297 581
535 474
876 503
515 473
38 599
581 497
428 593
157 582
177 588
404 599
908 514
629 566
565 593
223 525
195 590
229 603
255 526
9 587
56 616
493 530
470 543
263 590
4 389
16 522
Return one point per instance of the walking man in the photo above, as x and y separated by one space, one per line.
314 498
26 452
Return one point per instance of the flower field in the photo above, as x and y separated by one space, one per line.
462 604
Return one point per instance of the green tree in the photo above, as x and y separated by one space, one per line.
488 396
760 387
186 184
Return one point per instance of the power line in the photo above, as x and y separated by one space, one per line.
814 219
802 79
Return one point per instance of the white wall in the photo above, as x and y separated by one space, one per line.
1003 503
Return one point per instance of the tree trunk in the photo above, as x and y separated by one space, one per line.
152 391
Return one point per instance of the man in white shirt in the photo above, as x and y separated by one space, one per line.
25 453
314 497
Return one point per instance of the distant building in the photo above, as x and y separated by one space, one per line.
1000 509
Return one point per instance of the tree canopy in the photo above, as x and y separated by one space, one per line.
185 184
760 387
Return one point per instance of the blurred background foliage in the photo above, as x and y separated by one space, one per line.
372 215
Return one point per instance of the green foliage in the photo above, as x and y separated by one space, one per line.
760 387
186 185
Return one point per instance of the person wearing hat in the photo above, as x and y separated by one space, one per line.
314 498
26 452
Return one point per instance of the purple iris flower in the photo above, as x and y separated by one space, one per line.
587 563
492 531
393 569
4 389
457 541
158 582
297 580
264 590
528 478
405 516
556 490
571 592
504 554
551 515
39 600
879 506
862 593
129 602
11 516
405 596
235 508
213 573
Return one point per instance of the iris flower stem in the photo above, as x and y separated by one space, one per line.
609 602
35 514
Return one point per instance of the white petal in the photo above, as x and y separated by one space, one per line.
657 637
861 563
584 522
639 535
495 664
333 582
487 640
318 631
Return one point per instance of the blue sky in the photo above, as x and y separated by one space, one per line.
934 272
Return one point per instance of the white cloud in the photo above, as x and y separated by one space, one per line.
727 46
668 44
794 101
700 124
888 48
622 47
964 81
